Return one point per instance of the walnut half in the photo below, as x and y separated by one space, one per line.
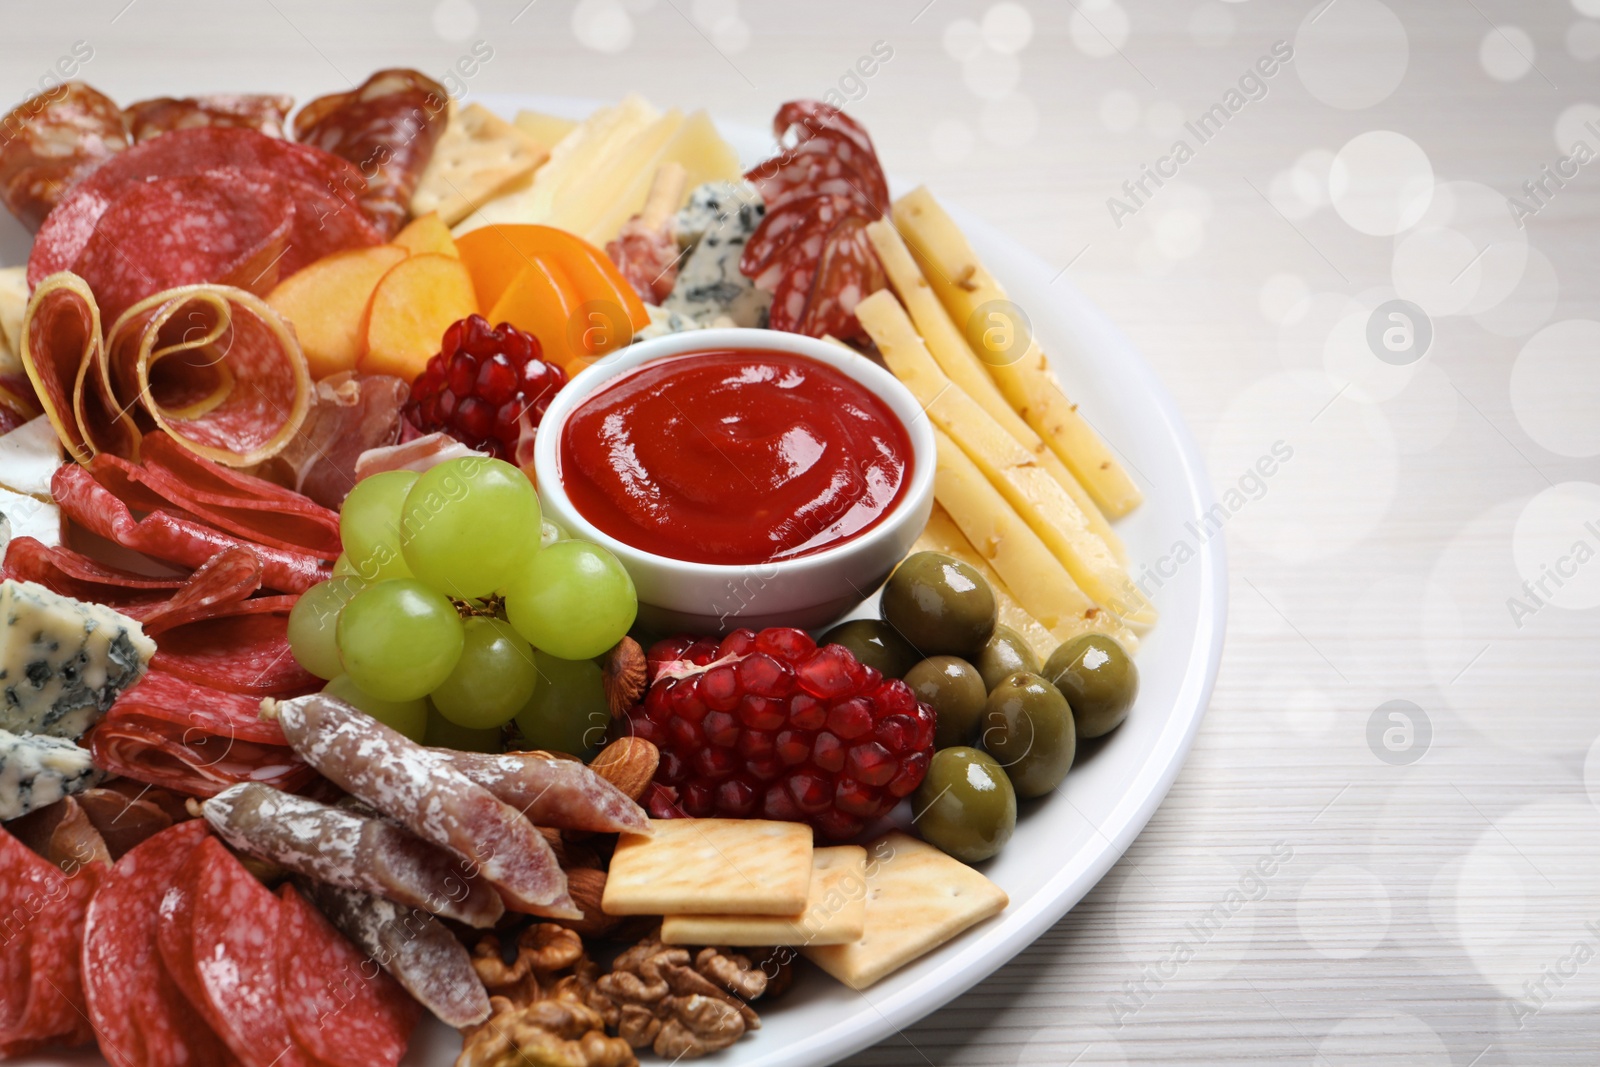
682 1004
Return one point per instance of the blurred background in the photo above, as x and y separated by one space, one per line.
1379 244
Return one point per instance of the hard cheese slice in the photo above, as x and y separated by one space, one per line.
63 662
835 912
917 899
722 866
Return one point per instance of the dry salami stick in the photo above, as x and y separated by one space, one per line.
347 849
561 793
413 946
418 789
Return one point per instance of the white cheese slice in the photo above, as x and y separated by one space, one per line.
62 661
29 456
28 516
13 302
38 771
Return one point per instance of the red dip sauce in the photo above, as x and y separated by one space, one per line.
734 456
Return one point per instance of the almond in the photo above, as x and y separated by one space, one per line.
587 886
629 763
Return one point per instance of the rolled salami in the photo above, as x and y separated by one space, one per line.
347 849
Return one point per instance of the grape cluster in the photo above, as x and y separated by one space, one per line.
456 608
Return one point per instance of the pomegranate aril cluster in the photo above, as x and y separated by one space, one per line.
487 388
768 725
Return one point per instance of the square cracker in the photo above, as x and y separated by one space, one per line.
835 911
720 866
479 156
917 899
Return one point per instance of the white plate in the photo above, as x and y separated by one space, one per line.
1066 842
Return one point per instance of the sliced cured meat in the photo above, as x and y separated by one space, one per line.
52 140
387 127
342 1009
193 739
41 988
804 117
848 272
175 943
559 793
352 849
241 647
62 833
173 478
350 414
420 454
262 112
225 579
417 788
214 366
170 538
124 822
324 187
71 573
226 226
140 1016
795 218
235 941
412 946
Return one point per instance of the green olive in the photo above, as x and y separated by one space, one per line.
1006 652
954 689
939 604
874 643
1098 679
965 804
1027 726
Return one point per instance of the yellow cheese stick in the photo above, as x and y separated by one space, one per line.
964 286
1036 496
1041 585
957 359
943 535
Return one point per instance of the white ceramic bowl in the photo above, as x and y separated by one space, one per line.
808 591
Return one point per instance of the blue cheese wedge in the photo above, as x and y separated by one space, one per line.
63 662
663 322
710 289
38 771
29 456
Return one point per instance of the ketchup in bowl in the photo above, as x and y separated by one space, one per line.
734 456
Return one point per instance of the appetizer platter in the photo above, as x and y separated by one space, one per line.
528 583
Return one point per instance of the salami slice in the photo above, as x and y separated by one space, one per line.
262 112
226 226
223 580
341 1008
56 1014
324 187
172 478
412 946
848 272
175 943
235 942
170 538
71 573
241 647
387 127
779 227
140 1016
49 141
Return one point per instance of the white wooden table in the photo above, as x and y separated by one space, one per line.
1434 896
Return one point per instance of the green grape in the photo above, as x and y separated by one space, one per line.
399 639
369 525
442 733
568 712
573 600
550 531
493 678
409 717
342 567
467 524
313 625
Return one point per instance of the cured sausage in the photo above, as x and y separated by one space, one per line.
341 1009
235 946
387 128
344 848
417 788
193 739
412 946
561 793
324 189
262 112
164 536
140 1016
50 141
